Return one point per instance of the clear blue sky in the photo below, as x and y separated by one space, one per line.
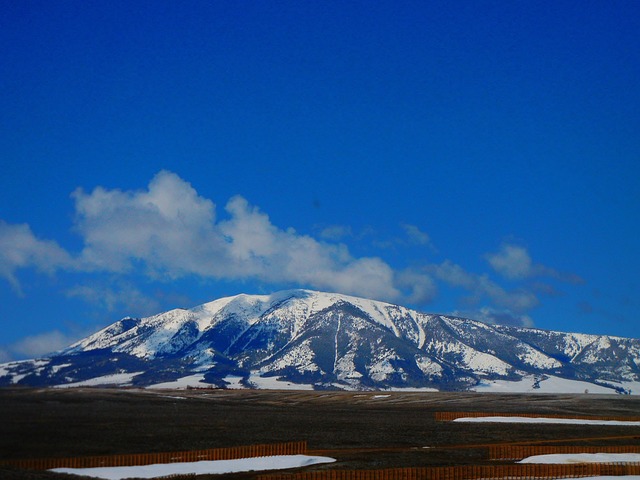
475 157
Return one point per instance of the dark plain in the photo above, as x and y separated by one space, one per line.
361 430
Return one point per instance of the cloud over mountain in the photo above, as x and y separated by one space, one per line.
482 287
173 232
515 263
168 231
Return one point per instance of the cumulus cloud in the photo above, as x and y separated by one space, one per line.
118 296
415 235
480 286
257 249
511 261
422 287
168 231
36 346
5 355
173 232
514 262
168 226
497 317
20 248
336 232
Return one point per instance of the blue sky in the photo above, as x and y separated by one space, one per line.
477 158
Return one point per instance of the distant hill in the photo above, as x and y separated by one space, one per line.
306 339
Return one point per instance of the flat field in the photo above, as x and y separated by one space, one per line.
362 430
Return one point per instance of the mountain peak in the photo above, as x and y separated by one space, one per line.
309 339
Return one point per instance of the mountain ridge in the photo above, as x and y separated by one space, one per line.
307 339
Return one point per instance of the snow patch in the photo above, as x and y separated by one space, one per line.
185 382
538 359
199 468
56 368
234 382
485 363
428 366
382 369
16 378
274 383
563 421
412 389
121 379
549 384
584 458
302 357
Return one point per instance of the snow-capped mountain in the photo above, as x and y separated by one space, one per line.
307 339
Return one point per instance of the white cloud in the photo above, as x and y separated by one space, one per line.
38 345
169 231
481 286
497 317
336 232
256 248
415 235
422 287
174 232
5 355
511 261
118 296
515 263
19 248
168 226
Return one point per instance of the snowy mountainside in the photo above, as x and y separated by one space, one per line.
319 340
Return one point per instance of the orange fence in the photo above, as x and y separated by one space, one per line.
518 452
229 453
449 416
522 472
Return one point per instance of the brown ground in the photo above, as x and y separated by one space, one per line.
361 430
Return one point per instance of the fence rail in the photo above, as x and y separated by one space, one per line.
469 472
449 416
228 453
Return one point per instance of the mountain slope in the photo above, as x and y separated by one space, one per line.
307 339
